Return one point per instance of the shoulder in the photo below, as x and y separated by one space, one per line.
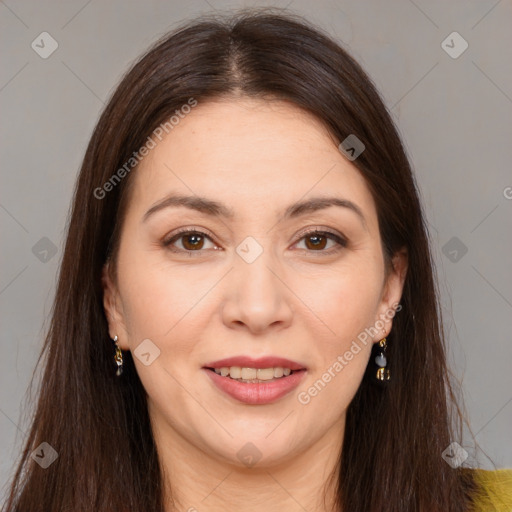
494 492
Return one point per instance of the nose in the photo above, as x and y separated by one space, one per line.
258 299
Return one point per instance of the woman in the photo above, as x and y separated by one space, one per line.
247 231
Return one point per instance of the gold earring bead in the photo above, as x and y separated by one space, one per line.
383 374
118 358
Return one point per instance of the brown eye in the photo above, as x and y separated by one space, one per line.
191 241
316 241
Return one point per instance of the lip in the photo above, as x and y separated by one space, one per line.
256 393
261 362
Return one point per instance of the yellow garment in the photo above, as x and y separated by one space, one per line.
495 490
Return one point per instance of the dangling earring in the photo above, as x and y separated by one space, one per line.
382 375
118 358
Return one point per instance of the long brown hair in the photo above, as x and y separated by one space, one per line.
99 425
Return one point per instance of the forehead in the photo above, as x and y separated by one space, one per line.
247 151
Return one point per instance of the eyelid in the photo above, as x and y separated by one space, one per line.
175 235
340 240
322 230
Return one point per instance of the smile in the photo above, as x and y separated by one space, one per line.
253 375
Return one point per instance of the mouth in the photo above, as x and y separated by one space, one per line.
255 381
254 375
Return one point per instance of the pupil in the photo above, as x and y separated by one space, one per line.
196 240
317 242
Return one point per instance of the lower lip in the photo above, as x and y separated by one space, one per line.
257 393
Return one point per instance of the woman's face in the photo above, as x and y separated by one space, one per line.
251 284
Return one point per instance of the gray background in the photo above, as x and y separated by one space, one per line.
454 115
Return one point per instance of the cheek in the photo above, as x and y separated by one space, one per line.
345 303
167 305
330 390
171 305
158 298
344 300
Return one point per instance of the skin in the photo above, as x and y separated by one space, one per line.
295 301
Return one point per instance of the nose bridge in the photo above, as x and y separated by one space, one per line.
258 297
252 268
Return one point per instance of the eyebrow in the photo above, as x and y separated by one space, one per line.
216 209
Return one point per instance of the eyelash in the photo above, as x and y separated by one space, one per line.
342 242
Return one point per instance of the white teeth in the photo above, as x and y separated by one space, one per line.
235 372
265 373
250 374
278 372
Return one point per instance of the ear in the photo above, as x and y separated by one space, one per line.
113 308
391 293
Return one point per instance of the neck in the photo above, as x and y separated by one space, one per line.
199 481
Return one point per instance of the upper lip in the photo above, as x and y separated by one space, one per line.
260 362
